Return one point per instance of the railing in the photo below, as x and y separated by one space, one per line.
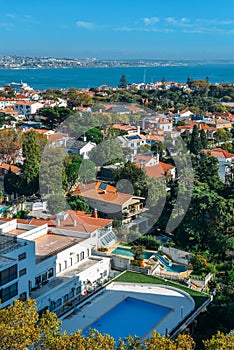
73 303
190 318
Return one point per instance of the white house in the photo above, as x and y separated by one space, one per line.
27 108
225 160
79 147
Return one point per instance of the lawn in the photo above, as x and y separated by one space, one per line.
134 277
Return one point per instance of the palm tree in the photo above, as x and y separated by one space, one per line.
138 251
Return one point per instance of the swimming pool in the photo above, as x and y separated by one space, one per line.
171 267
131 316
127 252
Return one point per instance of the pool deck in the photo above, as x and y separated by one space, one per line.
180 302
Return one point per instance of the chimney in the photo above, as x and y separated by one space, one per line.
85 138
95 214
57 221
74 223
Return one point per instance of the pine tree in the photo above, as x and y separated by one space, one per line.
195 143
32 155
203 139
123 81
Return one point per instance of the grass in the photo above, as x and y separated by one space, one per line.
134 277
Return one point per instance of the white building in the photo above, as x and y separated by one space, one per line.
225 159
27 108
53 265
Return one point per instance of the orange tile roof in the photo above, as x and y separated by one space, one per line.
8 167
158 170
219 153
55 137
155 137
77 221
110 195
124 127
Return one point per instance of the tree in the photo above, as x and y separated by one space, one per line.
10 146
203 139
138 251
206 169
79 203
134 175
56 203
32 156
222 135
107 152
94 135
55 115
195 143
123 82
87 170
220 341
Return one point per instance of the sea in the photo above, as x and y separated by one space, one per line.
42 79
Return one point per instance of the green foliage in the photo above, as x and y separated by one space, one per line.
222 135
203 139
134 175
32 156
79 203
21 329
149 242
123 81
195 144
206 171
107 152
94 135
21 214
56 203
138 251
55 115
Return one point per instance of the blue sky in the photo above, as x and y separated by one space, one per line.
158 29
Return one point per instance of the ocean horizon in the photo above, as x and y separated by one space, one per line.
63 78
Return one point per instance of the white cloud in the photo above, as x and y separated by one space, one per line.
85 25
150 20
7 25
11 15
177 21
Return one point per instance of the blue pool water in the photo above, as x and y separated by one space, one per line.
130 317
170 267
127 252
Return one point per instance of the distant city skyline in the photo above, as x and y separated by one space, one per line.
179 30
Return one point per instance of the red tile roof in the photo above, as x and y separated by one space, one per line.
219 153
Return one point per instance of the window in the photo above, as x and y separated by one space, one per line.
59 267
37 280
70 261
78 290
8 275
22 272
77 257
9 292
44 277
58 302
50 273
71 293
82 256
65 264
87 252
65 298
22 256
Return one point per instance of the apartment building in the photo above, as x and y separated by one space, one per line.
51 262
